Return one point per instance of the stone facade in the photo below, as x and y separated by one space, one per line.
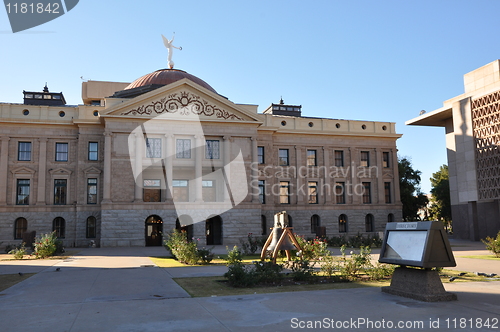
181 155
472 134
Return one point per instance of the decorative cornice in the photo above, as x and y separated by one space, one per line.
183 103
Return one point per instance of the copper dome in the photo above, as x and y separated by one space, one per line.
167 76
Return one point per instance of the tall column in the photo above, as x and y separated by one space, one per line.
255 171
169 165
198 167
139 183
227 168
42 170
4 165
298 177
107 169
328 186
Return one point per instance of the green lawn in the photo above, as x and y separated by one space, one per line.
492 257
218 260
9 280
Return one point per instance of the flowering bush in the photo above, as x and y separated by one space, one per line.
493 244
46 245
186 251
18 252
313 249
251 245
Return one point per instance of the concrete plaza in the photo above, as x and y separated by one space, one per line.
120 289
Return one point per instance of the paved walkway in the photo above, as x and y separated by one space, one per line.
120 289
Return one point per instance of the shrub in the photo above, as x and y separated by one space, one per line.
350 267
18 252
329 265
238 275
493 244
182 249
250 245
381 271
302 270
205 255
45 245
313 249
268 272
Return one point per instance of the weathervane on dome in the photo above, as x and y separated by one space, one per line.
170 47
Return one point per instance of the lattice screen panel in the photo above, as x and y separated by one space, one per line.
486 127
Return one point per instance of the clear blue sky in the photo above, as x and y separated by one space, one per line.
362 60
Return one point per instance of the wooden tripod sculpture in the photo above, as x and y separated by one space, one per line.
281 238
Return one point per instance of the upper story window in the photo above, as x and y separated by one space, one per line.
92 191
385 160
262 191
260 154
24 151
340 192
93 150
387 191
313 192
23 192
183 148
367 193
153 147
365 158
284 192
311 158
62 151
339 158
283 157
60 191
212 149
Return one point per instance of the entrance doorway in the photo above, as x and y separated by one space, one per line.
154 231
213 230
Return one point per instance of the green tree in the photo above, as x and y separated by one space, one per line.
411 196
441 204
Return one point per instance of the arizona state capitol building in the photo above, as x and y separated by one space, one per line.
165 151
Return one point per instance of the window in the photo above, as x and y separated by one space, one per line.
153 147
313 192
315 223
262 191
311 158
208 191
23 192
365 158
283 157
367 195
93 151
385 160
91 191
284 192
20 227
260 154
390 217
24 151
91 227
60 186
339 158
59 226
61 151
340 192
183 148
342 223
263 224
369 223
212 149
180 190
387 190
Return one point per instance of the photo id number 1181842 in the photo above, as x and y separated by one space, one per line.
32 8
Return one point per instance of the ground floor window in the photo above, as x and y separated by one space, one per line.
20 227
369 223
91 227
315 223
59 226
342 223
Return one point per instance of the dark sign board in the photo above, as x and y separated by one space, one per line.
420 244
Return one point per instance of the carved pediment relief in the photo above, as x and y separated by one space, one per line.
92 170
60 171
23 170
183 103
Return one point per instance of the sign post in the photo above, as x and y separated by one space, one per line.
417 247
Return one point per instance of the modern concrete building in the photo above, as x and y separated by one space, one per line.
165 151
472 123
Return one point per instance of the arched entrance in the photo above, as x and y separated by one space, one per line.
185 223
213 229
154 231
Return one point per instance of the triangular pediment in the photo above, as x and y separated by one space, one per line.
92 170
60 171
183 99
23 170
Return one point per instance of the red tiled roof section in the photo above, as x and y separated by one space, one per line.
167 76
